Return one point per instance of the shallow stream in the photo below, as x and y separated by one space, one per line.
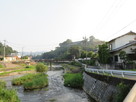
55 92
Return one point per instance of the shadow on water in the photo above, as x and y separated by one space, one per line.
55 92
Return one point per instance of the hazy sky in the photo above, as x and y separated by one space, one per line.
40 25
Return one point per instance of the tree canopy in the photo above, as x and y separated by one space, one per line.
8 49
69 49
104 54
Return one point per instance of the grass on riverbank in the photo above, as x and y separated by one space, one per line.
39 82
74 80
23 79
2 84
71 69
7 95
31 68
32 81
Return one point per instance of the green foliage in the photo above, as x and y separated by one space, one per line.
71 68
122 55
23 79
73 80
32 68
66 50
32 81
74 51
83 54
89 62
2 84
9 50
27 66
40 67
7 95
123 91
24 57
65 43
104 54
39 82
76 63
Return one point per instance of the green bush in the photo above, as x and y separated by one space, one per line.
71 68
8 95
89 62
39 82
40 67
27 66
2 84
32 81
76 63
73 80
123 91
23 79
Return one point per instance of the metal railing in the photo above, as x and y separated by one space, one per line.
112 72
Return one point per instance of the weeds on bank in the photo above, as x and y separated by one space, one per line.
74 80
7 95
32 81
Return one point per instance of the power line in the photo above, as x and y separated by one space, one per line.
117 4
122 28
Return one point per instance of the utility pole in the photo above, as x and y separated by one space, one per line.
22 51
85 42
4 53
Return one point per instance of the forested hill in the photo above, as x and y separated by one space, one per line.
68 49
8 49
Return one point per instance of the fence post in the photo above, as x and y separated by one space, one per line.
122 74
97 71
103 71
111 73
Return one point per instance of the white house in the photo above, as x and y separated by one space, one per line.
127 43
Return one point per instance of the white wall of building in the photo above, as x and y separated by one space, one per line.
123 40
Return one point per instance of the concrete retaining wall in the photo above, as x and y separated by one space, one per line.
99 90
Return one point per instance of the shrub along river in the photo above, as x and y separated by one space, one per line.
55 92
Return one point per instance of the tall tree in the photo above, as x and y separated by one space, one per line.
104 54
74 51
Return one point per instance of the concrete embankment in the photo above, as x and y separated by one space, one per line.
103 88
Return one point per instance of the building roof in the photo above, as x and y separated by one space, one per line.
129 33
124 46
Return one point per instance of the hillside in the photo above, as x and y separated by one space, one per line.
8 49
67 48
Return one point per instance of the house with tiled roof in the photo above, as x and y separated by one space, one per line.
127 43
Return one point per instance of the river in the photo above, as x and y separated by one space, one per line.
55 92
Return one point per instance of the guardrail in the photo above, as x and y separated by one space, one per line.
111 72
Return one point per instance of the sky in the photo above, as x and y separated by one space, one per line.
40 25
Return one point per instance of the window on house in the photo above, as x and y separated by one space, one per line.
131 56
116 58
110 46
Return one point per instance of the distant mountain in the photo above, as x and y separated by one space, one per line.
63 51
32 53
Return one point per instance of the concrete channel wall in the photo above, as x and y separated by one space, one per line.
104 88
99 90
131 97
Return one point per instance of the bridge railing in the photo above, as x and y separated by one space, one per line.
111 72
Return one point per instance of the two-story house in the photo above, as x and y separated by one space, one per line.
127 43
